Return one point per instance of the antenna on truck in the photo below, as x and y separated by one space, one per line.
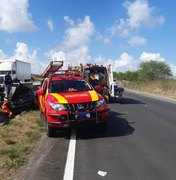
52 67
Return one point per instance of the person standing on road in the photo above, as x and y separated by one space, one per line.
8 84
1 94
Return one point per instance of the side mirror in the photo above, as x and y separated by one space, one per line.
40 92
98 89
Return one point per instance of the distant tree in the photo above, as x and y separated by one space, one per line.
128 75
119 75
153 70
115 74
131 76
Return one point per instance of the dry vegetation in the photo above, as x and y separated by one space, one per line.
17 139
165 88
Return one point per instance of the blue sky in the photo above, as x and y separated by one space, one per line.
118 32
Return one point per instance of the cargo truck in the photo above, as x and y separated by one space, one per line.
19 70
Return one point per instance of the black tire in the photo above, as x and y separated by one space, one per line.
50 131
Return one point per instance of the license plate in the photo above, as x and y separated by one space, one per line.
82 116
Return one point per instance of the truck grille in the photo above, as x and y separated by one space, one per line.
78 107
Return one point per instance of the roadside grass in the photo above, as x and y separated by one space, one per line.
17 139
165 88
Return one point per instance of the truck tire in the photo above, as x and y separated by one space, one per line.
51 131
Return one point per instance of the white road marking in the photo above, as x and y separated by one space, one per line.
102 173
69 167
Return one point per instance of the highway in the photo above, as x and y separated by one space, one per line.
140 143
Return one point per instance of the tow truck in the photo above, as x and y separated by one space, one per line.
67 100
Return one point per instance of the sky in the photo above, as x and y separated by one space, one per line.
123 33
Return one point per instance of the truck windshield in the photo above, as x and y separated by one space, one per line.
69 86
4 72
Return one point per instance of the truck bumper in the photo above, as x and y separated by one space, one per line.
82 119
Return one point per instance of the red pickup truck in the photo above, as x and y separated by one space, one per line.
67 100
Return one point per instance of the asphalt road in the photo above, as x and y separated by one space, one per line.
140 143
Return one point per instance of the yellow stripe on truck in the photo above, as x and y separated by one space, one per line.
60 98
93 95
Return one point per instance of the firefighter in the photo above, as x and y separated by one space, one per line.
102 79
105 88
93 80
6 108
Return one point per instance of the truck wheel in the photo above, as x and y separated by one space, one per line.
102 127
51 131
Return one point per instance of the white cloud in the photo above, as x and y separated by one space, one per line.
73 50
78 35
136 41
50 25
124 63
2 54
140 14
104 39
127 62
120 27
69 21
73 57
14 16
81 55
56 56
100 60
151 56
23 53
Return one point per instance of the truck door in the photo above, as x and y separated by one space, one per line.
42 98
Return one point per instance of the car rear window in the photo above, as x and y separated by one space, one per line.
68 86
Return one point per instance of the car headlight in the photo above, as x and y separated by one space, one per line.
57 107
100 103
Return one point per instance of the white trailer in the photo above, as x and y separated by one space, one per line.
19 70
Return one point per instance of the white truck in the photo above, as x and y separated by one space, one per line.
19 70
